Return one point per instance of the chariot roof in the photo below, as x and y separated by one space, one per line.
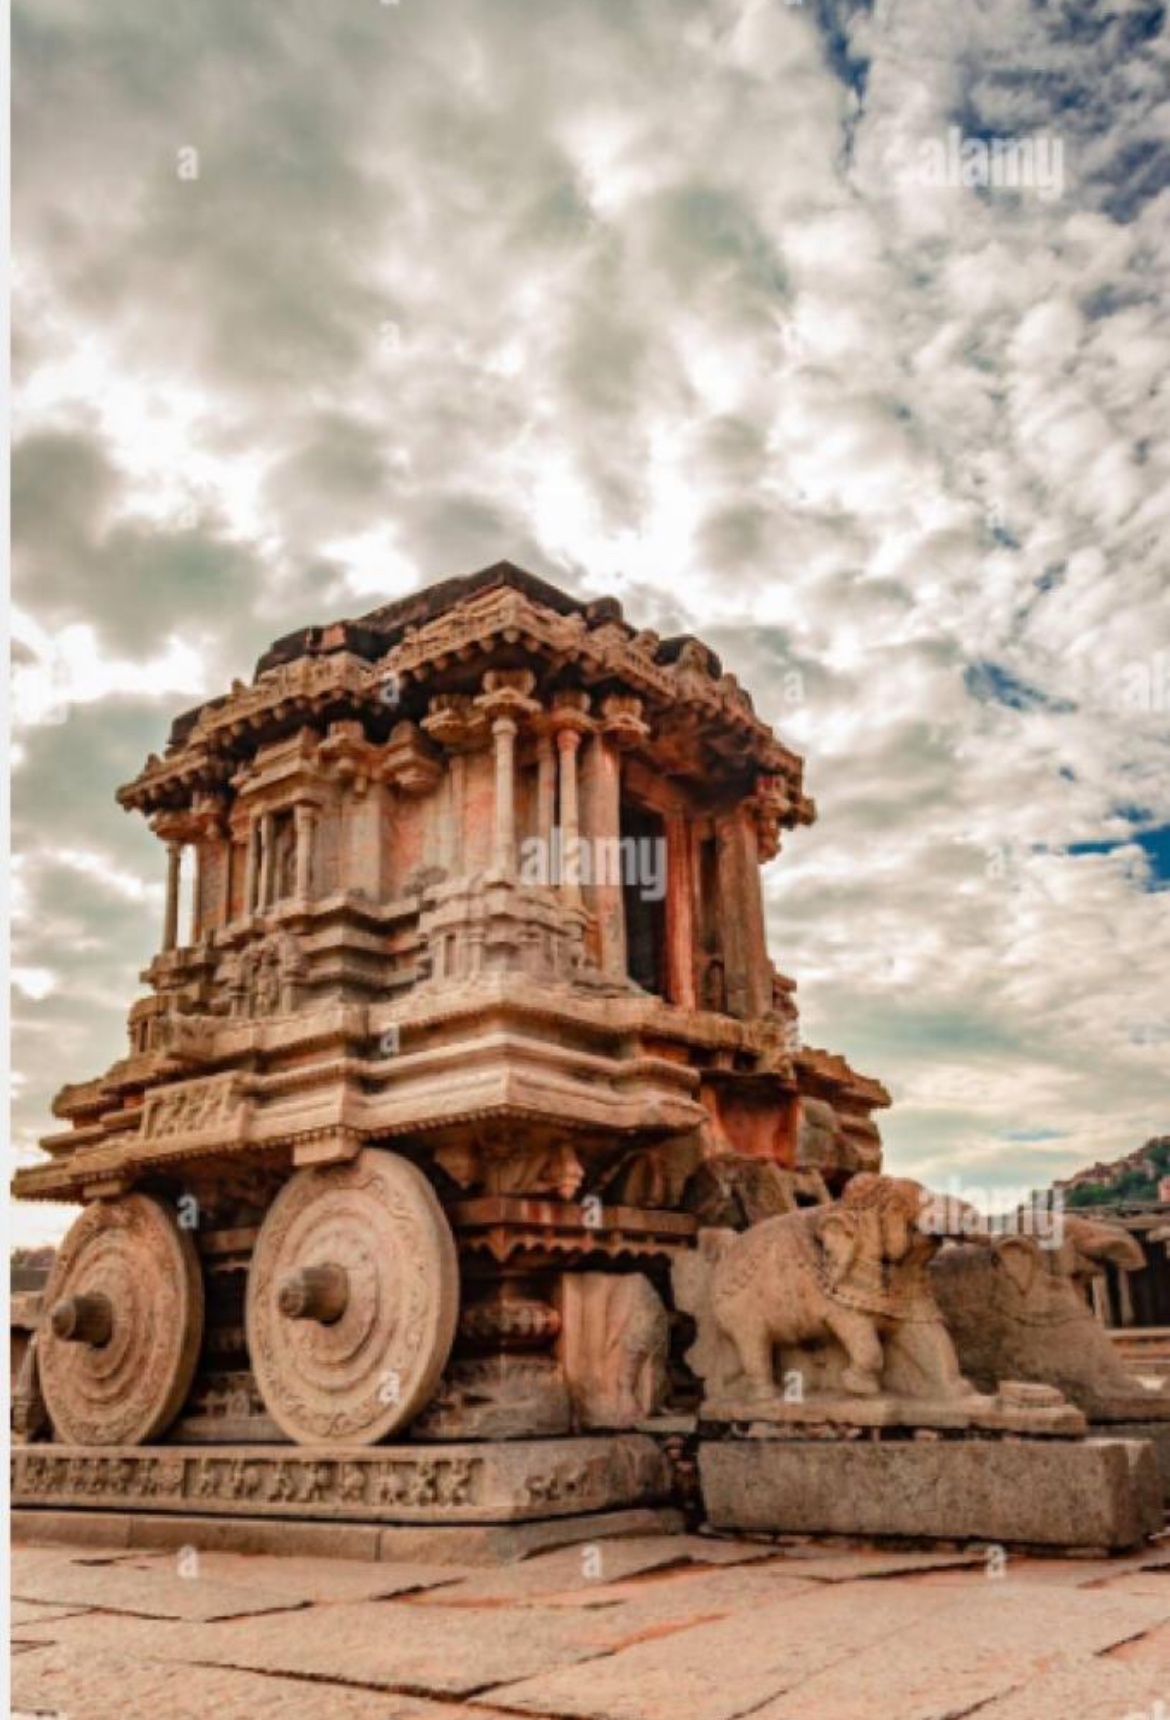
442 638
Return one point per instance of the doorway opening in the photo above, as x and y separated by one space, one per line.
644 896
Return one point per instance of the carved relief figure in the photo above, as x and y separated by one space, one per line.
267 977
614 1347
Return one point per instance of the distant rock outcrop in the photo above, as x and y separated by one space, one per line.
1136 1177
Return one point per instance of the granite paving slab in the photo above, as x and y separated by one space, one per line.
95 1633
1152 1647
984 1646
73 1686
1092 1688
614 1615
395 1646
392 1645
382 1645
628 1613
723 1670
821 1566
163 1593
1055 1572
310 1580
37 1612
1153 1583
591 1563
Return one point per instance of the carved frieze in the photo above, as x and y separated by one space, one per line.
454 1483
215 1107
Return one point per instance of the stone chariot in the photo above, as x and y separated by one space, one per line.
473 994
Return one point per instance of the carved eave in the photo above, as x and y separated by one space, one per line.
825 1071
502 619
171 782
698 716
226 731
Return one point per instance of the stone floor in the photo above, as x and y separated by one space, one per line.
647 1628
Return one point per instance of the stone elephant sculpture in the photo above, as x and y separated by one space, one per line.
844 1284
1018 1309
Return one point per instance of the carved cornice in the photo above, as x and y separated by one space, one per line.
715 708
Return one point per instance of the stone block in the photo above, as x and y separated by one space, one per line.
1158 1434
432 1544
477 1544
1055 1493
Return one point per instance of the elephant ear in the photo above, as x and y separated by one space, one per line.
1020 1259
1098 1241
839 1236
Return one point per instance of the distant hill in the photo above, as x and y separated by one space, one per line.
1135 1177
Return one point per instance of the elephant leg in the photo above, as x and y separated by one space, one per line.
921 1362
857 1334
753 1340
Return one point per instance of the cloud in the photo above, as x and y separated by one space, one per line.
651 299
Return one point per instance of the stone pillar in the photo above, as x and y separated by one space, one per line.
174 877
456 810
546 793
450 843
680 913
266 858
305 821
226 880
504 702
200 910
504 729
568 740
1124 1298
251 872
747 969
601 783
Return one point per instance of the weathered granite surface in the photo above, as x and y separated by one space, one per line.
1052 1493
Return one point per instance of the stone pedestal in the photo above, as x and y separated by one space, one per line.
1097 1493
1018 1407
426 1543
521 1481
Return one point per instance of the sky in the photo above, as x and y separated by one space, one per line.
729 309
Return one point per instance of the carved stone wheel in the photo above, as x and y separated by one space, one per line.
353 1296
124 1306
